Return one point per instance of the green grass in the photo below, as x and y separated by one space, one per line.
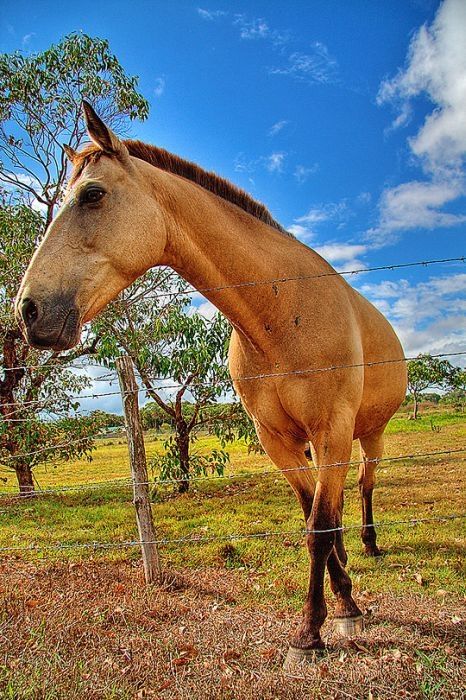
406 489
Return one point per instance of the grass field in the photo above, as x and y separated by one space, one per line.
416 589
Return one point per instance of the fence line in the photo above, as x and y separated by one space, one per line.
271 375
302 278
216 538
256 283
128 482
423 263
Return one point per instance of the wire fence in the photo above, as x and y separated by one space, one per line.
253 283
128 482
244 378
110 376
204 539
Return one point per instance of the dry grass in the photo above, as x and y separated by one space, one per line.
91 630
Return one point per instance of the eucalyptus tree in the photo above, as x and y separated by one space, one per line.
40 110
181 358
427 372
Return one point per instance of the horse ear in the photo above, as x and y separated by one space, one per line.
100 133
70 152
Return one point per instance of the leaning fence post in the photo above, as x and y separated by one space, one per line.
137 459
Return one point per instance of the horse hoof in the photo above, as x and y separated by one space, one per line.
371 550
301 656
349 626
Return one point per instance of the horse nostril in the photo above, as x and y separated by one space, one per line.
29 311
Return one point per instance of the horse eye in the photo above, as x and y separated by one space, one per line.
92 195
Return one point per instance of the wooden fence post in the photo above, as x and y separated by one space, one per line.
137 458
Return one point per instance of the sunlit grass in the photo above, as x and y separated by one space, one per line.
423 488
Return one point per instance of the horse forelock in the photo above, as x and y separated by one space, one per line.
160 158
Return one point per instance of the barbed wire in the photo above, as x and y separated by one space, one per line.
266 375
302 278
203 539
276 471
254 283
58 446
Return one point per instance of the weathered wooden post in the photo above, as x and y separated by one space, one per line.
137 459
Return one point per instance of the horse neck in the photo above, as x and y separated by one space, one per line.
214 245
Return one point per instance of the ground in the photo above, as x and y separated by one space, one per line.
92 630
78 623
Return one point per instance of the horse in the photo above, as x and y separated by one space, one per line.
312 360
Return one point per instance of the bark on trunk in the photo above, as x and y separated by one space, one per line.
25 479
415 407
183 449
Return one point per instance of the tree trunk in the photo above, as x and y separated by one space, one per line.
182 440
25 480
415 407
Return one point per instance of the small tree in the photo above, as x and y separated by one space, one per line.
172 344
456 397
427 372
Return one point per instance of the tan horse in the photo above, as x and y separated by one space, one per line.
130 207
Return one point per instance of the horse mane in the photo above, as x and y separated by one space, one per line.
172 163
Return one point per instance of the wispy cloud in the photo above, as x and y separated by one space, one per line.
277 127
159 88
258 28
26 40
274 162
436 66
324 212
344 256
317 66
428 316
305 227
252 29
210 15
303 172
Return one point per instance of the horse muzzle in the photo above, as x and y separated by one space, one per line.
49 324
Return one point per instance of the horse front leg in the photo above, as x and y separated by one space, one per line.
322 525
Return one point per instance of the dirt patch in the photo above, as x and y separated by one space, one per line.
92 630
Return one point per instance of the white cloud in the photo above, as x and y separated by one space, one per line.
257 29
315 67
429 316
277 127
417 205
343 256
159 88
436 67
304 233
26 40
210 15
323 213
252 29
340 252
207 309
304 227
274 162
302 172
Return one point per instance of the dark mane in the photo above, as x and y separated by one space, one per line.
171 163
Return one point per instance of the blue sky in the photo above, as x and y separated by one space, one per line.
348 119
